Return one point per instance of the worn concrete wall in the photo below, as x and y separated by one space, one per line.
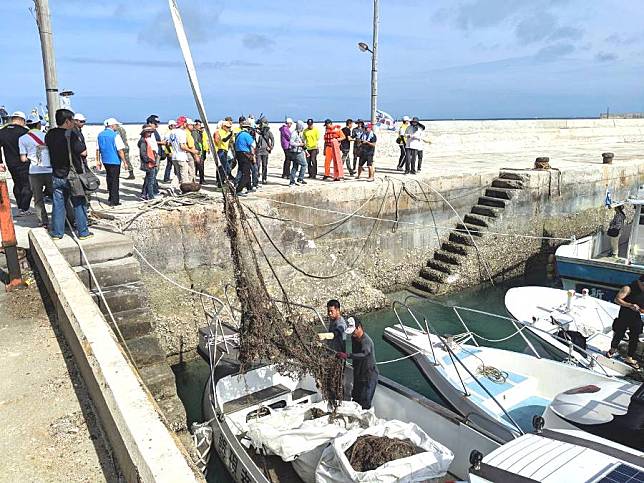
191 247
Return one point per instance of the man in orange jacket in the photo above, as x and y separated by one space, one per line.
332 137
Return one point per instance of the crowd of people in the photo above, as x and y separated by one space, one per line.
39 162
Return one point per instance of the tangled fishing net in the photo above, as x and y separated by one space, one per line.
267 334
370 452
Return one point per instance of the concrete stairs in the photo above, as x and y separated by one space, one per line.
118 273
454 252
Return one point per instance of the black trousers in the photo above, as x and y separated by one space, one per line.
112 173
21 187
403 156
244 161
420 159
312 162
410 161
262 166
364 390
634 327
286 169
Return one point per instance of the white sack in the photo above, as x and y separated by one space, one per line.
287 434
433 463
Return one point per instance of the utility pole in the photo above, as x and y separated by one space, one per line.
374 62
43 20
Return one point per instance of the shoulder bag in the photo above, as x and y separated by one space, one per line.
83 182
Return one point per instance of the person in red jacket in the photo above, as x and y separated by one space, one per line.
332 137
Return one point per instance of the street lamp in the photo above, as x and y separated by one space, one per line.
374 61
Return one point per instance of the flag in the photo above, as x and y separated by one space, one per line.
385 121
608 199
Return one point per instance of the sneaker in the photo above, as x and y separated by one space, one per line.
324 178
252 190
86 237
292 185
131 175
54 237
242 194
301 181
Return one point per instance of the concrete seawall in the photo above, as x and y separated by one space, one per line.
389 231
143 446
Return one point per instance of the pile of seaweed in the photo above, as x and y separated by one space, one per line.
268 334
370 452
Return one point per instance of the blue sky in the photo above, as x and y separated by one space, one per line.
438 58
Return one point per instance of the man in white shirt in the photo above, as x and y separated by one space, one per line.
180 152
33 150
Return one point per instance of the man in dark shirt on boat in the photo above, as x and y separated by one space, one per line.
365 372
337 326
631 301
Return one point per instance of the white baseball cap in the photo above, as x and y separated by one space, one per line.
189 121
172 122
111 121
405 118
289 120
33 118
19 114
79 117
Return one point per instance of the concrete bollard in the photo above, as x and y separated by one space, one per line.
608 158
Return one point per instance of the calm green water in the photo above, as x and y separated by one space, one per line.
192 377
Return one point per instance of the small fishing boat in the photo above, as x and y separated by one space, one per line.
586 264
559 317
497 391
537 458
235 403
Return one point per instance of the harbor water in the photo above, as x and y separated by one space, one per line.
191 377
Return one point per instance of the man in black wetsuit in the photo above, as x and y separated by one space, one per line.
365 372
631 300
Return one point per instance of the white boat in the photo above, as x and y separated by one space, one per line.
535 458
497 391
552 315
585 263
232 401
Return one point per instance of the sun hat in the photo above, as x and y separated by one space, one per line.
19 114
79 117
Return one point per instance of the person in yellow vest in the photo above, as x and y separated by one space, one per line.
311 141
223 137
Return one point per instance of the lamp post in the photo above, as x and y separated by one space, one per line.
43 20
374 61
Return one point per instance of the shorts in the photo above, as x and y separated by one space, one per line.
366 159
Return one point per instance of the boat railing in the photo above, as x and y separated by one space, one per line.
232 308
591 358
453 357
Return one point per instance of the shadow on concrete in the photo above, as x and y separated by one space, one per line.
109 466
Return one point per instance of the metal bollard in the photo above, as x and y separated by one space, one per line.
8 235
607 158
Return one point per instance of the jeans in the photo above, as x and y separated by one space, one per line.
112 173
298 161
312 162
223 171
61 195
155 181
410 161
147 191
346 158
21 187
40 184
